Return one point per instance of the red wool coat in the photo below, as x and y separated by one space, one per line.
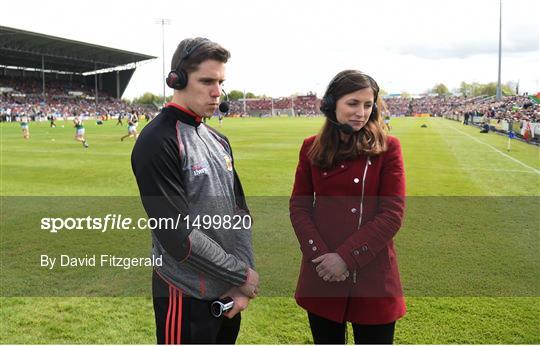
354 209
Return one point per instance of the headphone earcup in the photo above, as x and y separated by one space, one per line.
328 105
177 79
182 80
374 110
171 79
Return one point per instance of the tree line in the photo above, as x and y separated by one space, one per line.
476 89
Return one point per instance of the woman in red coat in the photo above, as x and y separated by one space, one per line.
346 206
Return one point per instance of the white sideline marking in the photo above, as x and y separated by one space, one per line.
497 150
478 169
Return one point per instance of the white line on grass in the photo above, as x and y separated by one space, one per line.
497 150
475 169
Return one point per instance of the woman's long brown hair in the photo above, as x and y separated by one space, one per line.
329 148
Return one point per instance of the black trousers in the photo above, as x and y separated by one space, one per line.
187 320
325 331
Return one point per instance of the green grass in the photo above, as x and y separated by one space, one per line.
468 250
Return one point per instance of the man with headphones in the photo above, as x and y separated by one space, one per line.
185 171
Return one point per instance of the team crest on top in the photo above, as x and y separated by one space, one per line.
228 162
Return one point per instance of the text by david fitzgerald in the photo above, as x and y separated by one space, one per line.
100 261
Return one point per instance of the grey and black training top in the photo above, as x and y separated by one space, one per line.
184 167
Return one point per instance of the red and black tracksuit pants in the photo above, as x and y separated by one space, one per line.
186 320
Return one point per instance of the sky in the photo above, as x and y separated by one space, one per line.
282 47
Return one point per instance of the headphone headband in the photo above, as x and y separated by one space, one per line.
178 78
186 52
328 102
337 78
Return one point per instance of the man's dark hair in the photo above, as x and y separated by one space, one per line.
191 52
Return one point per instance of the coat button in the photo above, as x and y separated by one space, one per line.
356 180
314 248
310 242
353 210
364 248
324 173
356 252
342 166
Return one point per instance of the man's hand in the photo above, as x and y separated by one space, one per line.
251 286
241 302
331 267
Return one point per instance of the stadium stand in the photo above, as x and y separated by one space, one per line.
518 113
305 105
61 101
43 76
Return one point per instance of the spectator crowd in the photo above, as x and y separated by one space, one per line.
511 108
24 97
306 105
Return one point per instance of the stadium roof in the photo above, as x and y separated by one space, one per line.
25 49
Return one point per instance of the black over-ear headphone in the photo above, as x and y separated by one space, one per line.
328 102
178 78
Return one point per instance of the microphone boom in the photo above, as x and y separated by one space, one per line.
345 128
